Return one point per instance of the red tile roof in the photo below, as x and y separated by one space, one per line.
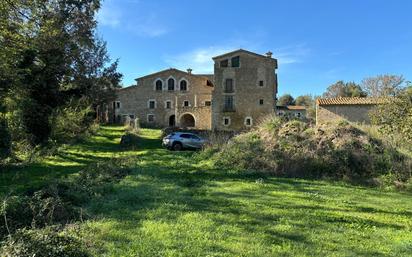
351 101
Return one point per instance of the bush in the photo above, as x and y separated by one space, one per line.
60 203
41 208
129 139
70 122
295 150
45 242
100 173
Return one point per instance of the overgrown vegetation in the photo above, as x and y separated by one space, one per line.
171 204
293 149
27 218
54 72
395 118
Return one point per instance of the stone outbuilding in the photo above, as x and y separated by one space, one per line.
291 111
352 109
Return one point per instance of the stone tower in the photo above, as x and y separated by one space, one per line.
245 87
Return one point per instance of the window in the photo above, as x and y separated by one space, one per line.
229 86
224 63
194 137
152 104
248 121
261 101
150 118
170 84
229 105
131 116
236 61
298 114
159 85
208 103
185 136
261 83
186 103
183 85
118 104
226 121
168 105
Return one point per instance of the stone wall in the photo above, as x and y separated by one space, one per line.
135 100
354 113
247 90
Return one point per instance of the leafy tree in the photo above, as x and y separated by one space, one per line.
342 89
49 56
305 100
286 99
395 117
383 85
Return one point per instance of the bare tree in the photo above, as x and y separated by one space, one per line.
383 85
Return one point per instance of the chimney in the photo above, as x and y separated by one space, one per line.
269 54
189 71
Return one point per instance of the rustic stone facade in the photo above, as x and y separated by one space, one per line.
252 94
176 98
352 109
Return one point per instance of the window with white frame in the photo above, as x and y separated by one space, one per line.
183 85
171 84
159 85
168 104
248 121
186 103
152 104
226 121
150 118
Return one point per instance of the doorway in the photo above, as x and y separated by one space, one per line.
172 120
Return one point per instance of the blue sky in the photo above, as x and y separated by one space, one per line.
316 42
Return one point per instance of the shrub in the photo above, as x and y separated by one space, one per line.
70 122
45 242
295 150
15 212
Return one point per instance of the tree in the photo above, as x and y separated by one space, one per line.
305 100
383 85
49 56
286 99
342 89
395 117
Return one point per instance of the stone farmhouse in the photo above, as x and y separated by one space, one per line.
352 109
241 91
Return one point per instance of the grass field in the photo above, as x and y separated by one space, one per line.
174 205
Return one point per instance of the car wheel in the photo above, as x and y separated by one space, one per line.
177 147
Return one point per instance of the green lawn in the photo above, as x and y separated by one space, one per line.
173 205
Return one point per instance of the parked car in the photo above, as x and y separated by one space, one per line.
183 140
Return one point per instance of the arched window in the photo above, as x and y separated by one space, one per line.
159 85
183 85
170 84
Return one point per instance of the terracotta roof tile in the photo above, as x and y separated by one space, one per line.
350 101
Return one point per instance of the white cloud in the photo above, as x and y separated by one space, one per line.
291 54
109 15
200 59
140 24
147 26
